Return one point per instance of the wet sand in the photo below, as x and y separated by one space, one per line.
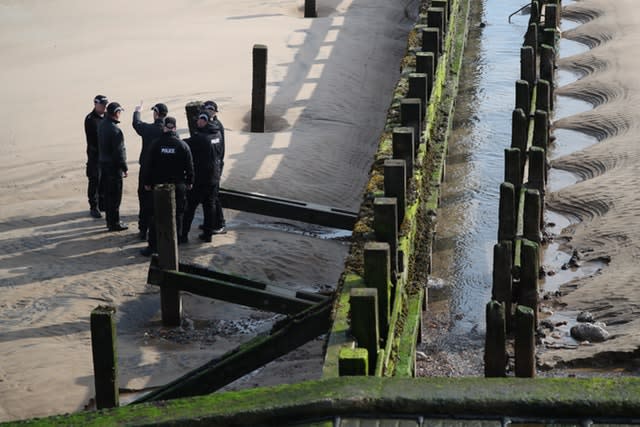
605 202
330 81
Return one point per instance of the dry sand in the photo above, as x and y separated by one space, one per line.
329 85
606 201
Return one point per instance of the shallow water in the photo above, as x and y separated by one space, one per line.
467 219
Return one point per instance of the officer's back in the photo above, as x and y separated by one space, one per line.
169 160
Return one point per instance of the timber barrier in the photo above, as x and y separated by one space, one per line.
513 309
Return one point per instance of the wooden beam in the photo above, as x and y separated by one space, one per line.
248 357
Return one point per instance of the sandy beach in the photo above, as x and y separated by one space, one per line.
605 202
329 85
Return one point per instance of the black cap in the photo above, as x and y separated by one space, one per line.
113 108
170 122
100 99
204 114
210 105
160 108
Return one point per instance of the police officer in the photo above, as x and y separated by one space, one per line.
113 164
207 164
218 219
168 161
149 132
95 193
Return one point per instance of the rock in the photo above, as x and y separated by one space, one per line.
589 332
585 317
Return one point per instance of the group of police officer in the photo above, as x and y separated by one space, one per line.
194 166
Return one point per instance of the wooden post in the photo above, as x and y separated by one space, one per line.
531 37
495 350
425 64
537 169
431 43
105 356
310 9
385 226
418 88
259 88
549 36
525 345
502 290
528 287
395 185
411 115
532 212
377 274
353 362
528 65
519 131
437 18
541 129
523 95
544 99
192 110
507 212
164 213
513 166
551 18
403 148
364 321
547 63
445 4
535 12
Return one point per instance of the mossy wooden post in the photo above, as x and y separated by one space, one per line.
377 274
105 356
403 148
418 88
495 350
535 12
544 99
528 287
532 212
541 129
513 166
164 212
364 321
531 37
259 88
502 289
507 212
523 95
549 36
445 4
395 185
310 9
537 169
411 115
436 18
385 226
547 63
551 16
353 362
425 64
519 131
192 110
528 65
525 344
431 43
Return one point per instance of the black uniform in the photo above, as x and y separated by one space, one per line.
168 161
95 193
149 133
218 218
113 163
205 147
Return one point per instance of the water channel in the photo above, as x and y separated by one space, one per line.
460 285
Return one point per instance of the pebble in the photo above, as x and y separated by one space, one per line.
589 332
585 317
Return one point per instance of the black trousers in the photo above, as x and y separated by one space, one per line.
218 215
181 199
112 179
200 194
95 191
145 202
